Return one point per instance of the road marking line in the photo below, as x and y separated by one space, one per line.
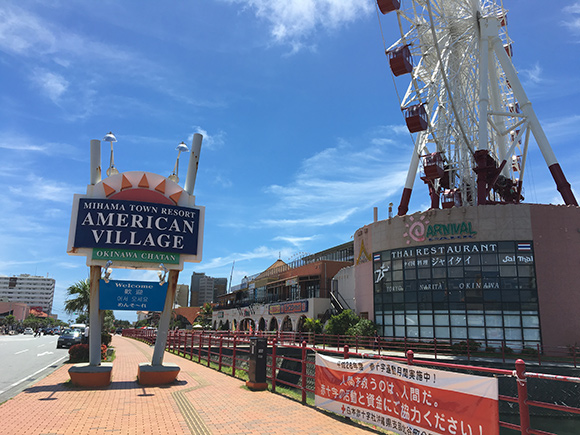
44 353
21 351
35 373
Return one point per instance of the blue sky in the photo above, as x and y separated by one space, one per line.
303 135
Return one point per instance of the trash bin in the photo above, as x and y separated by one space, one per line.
257 364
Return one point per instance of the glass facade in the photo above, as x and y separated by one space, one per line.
482 291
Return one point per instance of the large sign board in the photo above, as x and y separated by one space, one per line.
288 308
132 295
106 223
137 220
407 399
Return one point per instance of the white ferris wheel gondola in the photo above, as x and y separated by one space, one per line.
465 103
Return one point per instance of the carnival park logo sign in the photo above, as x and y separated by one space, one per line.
420 231
416 230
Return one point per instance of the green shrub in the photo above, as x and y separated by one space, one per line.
530 351
106 338
462 347
312 325
339 324
507 350
364 328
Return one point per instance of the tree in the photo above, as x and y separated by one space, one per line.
82 318
340 323
364 328
81 293
179 322
312 325
124 324
108 320
141 323
204 317
348 323
10 319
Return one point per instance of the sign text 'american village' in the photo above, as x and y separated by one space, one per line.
136 225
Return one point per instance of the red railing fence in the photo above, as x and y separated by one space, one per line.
292 361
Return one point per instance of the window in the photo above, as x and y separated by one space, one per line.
479 290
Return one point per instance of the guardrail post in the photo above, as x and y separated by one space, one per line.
410 356
468 350
199 349
191 347
523 396
435 348
345 352
221 353
503 351
539 354
234 357
574 354
208 350
274 366
356 343
303 377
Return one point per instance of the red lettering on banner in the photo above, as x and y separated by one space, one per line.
404 399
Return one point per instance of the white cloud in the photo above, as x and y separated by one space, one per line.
573 18
534 75
210 141
261 252
296 241
335 183
573 8
51 84
23 33
562 127
40 188
27 148
292 21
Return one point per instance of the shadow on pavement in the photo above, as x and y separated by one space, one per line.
119 385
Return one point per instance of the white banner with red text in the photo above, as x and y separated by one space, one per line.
407 400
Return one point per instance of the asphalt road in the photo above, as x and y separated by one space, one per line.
24 359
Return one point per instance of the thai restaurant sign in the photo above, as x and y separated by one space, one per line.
407 399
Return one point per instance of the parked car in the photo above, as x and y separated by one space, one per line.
28 331
68 338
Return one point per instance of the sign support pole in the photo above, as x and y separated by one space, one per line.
164 320
94 318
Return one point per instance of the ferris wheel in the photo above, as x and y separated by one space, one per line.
464 103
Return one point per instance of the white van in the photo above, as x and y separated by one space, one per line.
79 326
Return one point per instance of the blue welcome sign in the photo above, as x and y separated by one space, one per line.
132 295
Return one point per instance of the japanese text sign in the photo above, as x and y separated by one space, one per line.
408 399
132 295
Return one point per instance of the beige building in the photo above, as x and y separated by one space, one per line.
35 291
182 295
492 273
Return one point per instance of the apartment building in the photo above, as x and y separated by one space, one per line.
35 291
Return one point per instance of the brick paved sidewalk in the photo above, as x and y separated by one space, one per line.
202 401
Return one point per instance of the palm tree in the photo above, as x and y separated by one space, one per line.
81 291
